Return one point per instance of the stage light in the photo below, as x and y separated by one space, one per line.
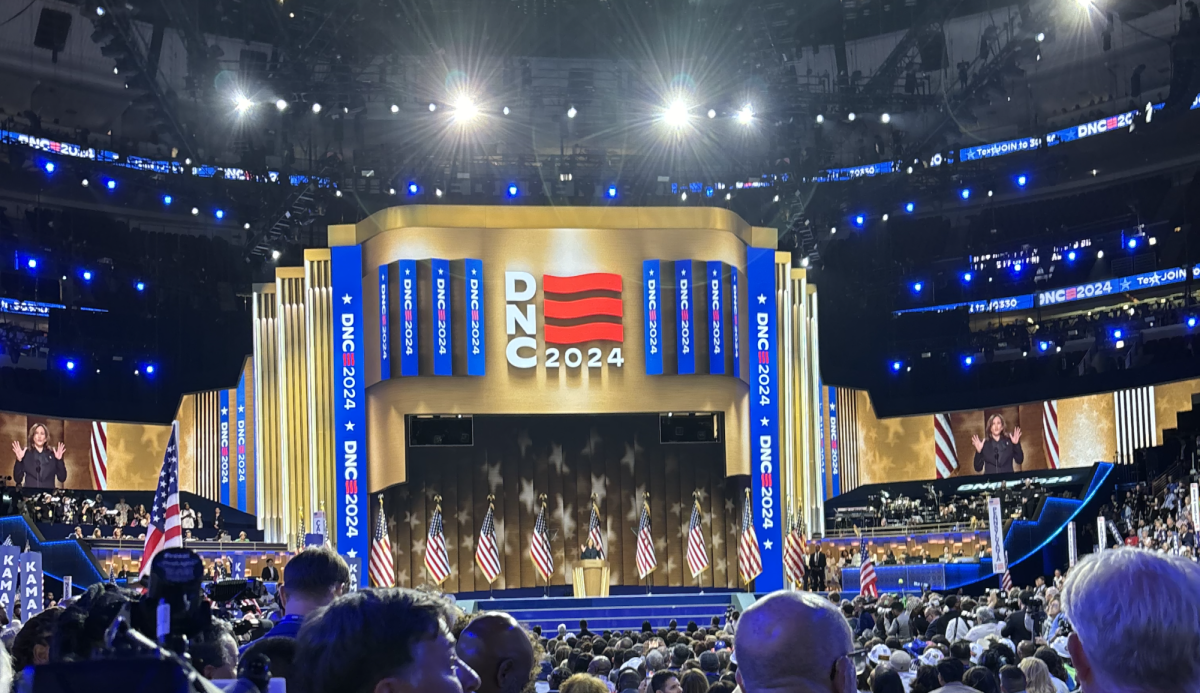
1017 267
885 118
804 262
917 286
908 170
965 193
1132 243
1117 334
966 277
316 108
820 119
990 193
413 188
31 263
70 365
776 199
677 113
850 116
1041 37
1120 344
683 197
110 184
612 191
438 192
195 211
87 275
246 226
860 220
1022 180
100 11
220 214
513 190
896 365
746 115
337 193
728 196
832 230
432 107
1152 240
84 182
571 112
167 199
275 254
1100 255
465 109
391 191
505 111
395 108
149 369
909 207
1191 322
281 105
1043 346
968 360
1071 256
243 104
140 286
49 167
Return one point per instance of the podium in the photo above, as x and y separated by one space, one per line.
590 578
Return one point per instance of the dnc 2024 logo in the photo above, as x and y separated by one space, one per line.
577 310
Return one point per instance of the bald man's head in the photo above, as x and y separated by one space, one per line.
794 641
499 650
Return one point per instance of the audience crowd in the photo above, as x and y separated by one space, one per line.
1164 521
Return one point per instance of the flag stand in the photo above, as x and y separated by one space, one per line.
546 588
650 583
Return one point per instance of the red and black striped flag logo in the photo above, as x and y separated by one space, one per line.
583 308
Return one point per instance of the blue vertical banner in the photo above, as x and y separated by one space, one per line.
821 443
356 573
764 416
385 339
349 402
223 445
10 576
476 356
32 577
651 300
443 337
240 442
410 352
835 481
685 334
237 568
737 328
716 310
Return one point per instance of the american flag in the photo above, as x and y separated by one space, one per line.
99 455
944 450
1050 431
794 555
749 559
164 532
382 569
437 562
646 560
594 533
697 555
867 581
539 545
487 551
1006 582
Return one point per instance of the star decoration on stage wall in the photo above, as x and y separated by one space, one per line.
347 299
524 441
492 471
527 496
600 487
556 459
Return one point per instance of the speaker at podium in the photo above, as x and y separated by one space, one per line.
590 578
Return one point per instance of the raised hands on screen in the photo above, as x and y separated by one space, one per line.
18 450
977 443
1016 435
59 450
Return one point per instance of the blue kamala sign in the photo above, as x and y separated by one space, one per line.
349 402
764 415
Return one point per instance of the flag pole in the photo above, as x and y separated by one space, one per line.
696 501
491 499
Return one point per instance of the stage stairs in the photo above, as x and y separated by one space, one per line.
612 613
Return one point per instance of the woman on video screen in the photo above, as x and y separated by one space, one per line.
38 465
998 452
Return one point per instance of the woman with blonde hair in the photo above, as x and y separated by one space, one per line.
584 683
38 464
1037 676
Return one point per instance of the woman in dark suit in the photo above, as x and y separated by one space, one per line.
999 452
38 465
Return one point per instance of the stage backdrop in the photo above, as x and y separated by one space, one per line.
516 458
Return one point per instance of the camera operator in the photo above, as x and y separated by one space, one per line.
214 652
1019 625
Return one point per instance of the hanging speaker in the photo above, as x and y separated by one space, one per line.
52 30
933 52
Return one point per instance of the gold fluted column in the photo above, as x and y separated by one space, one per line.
293 401
318 305
816 518
268 481
802 441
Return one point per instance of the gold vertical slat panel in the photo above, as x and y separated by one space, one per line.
205 445
185 414
786 378
816 518
318 304
268 487
802 482
293 401
251 473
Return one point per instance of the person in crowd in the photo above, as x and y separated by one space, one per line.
141 518
6 670
242 538
950 673
280 654
123 510
32 644
794 641
1160 613
187 517
666 682
938 625
499 650
312 579
78 533
583 683
38 464
118 534
96 533
1055 664
583 629
1016 626
628 681
218 522
214 651
269 572
981 679
816 568
711 666
985 625
694 681
1037 676
381 641
900 624
1012 679
999 452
